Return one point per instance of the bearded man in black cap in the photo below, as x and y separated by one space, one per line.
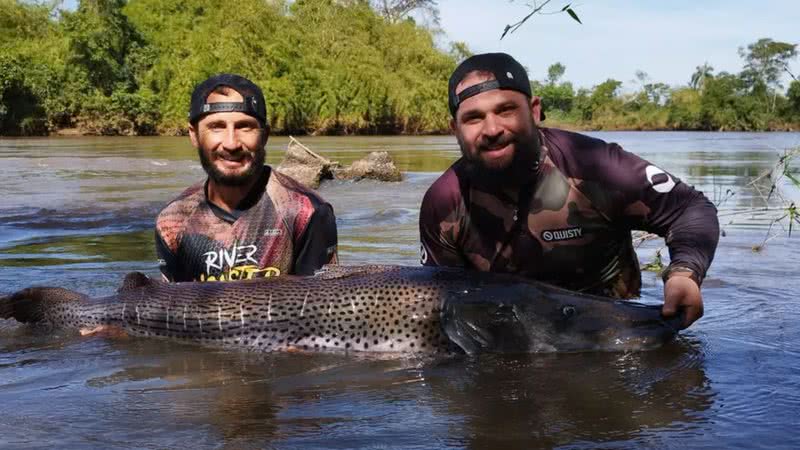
553 205
246 220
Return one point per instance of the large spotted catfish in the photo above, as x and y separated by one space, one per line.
359 308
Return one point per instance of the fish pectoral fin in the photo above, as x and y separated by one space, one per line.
295 349
111 331
135 280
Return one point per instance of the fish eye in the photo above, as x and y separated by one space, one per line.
568 311
501 312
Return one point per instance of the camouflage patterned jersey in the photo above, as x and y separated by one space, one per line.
280 228
572 225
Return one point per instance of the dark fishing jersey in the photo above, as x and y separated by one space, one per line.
571 226
280 228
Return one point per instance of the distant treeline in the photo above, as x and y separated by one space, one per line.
752 100
326 66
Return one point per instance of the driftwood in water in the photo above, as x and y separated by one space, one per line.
310 168
376 166
305 166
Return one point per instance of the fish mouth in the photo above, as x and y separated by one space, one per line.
646 329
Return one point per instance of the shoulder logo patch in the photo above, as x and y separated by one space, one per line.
660 180
564 234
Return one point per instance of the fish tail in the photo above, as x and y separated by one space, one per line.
32 304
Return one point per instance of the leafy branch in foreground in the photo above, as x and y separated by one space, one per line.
769 188
537 8
787 214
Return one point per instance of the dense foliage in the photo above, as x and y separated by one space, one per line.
128 67
326 66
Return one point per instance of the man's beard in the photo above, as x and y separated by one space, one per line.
520 170
241 179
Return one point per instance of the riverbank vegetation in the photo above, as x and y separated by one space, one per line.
326 67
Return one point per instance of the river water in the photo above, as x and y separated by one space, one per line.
78 213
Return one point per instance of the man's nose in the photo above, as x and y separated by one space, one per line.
492 129
231 141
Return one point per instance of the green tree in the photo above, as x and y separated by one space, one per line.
766 60
31 65
23 20
397 10
460 51
555 72
101 39
556 98
726 105
700 75
793 103
21 111
684 109
606 92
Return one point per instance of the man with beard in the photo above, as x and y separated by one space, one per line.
246 220
553 205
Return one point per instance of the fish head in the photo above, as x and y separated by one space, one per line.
525 318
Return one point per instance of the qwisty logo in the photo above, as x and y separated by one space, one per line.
563 234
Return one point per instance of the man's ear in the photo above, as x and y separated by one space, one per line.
453 125
193 136
536 110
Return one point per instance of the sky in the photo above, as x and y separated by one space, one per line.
667 39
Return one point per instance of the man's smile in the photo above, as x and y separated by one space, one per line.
233 160
499 150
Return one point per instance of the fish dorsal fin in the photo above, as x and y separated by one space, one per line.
334 271
135 280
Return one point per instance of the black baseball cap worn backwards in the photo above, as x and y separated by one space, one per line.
508 74
253 104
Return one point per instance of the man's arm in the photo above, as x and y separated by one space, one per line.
657 202
167 261
692 240
317 245
637 195
437 231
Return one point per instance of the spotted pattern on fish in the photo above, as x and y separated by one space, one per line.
363 308
337 309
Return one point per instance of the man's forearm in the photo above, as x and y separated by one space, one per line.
692 238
